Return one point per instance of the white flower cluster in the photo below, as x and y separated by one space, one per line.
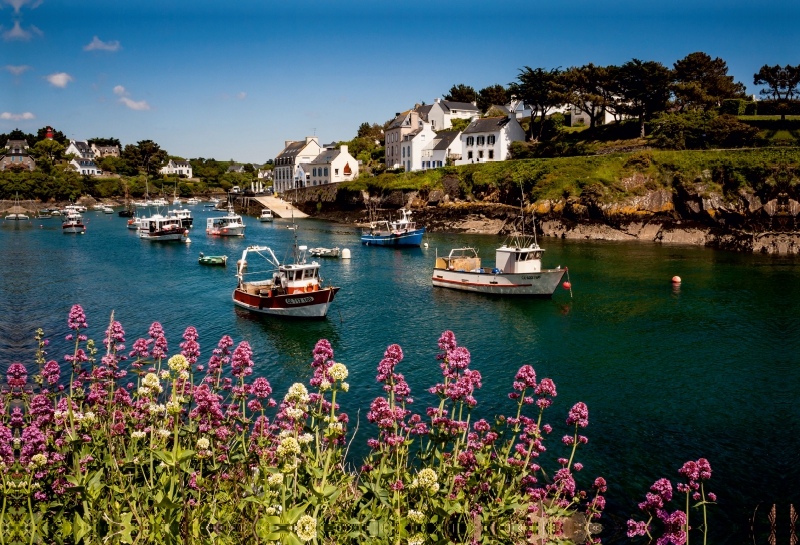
276 479
178 363
426 479
164 433
155 408
305 439
338 372
138 434
39 459
417 517
152 382
417 539
297 393
306 528
288 447
173 407
203 443
295 413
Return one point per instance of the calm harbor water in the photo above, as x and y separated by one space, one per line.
710 369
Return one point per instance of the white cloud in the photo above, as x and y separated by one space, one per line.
134 105
19 33
241 96
98 44
59 79
17 70
17 4
17 117
120 90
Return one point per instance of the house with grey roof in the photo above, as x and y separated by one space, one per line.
236 169
85 166
17 157
105 151
443 150
442 113
331 166
488 139
177 168
403 124
79 148
295 153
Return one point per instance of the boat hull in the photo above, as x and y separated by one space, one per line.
539 284
73 229
227 231
265 220
313 304
411 238
161 237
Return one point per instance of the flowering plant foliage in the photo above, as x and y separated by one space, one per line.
675 523
148 447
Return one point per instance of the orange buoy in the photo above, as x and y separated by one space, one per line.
676 279
566 285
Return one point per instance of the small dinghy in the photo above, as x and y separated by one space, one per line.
324 252
217 260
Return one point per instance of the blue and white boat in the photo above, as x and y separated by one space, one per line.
402 232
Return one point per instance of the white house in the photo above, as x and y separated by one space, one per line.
286 175
264 174
329 167
443 149
488 139
179 168
403 124
441 113
84 165
79 148
580 117
412 144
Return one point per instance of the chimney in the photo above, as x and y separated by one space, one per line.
474 103
287 143
396 114
416 106
437 100
343 148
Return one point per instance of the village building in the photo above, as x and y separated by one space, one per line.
294 154
177 168
443 150
329 167
104 151
17 156
488 139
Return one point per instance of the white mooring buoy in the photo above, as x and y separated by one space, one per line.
346 253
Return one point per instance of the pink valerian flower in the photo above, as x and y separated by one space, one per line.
17 375
77 318
674 528
578 415
141 348
525 378
207 409
637 528
545 390
190 348
242 360
663 488
159 341
220 356
51 372
261 388
447 341
114 338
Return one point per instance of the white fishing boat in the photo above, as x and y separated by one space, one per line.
517 269
159 202
292 290
266 215
135 223
73 223
159 228
193 201
107 210
99 206
226 226
324 252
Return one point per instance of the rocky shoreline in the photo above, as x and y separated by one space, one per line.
687 213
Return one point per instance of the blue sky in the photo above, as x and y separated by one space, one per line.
233 80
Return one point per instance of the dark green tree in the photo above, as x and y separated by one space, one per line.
588 88
782 84
540 89
493 94
645 87
105 142
703 83
461 93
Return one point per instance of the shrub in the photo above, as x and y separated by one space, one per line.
728 132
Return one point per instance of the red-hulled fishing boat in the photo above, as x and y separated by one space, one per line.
293 289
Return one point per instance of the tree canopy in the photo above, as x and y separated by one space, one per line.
540 89
645 87
703 83
493 94
461 93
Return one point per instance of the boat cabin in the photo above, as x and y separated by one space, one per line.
158 224
289 279
515 260
224 222
460 259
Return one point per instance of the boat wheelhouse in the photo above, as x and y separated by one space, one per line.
73 223
266 215
182 214
293 290
226 226
517 270
159 228
193 200
401 232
